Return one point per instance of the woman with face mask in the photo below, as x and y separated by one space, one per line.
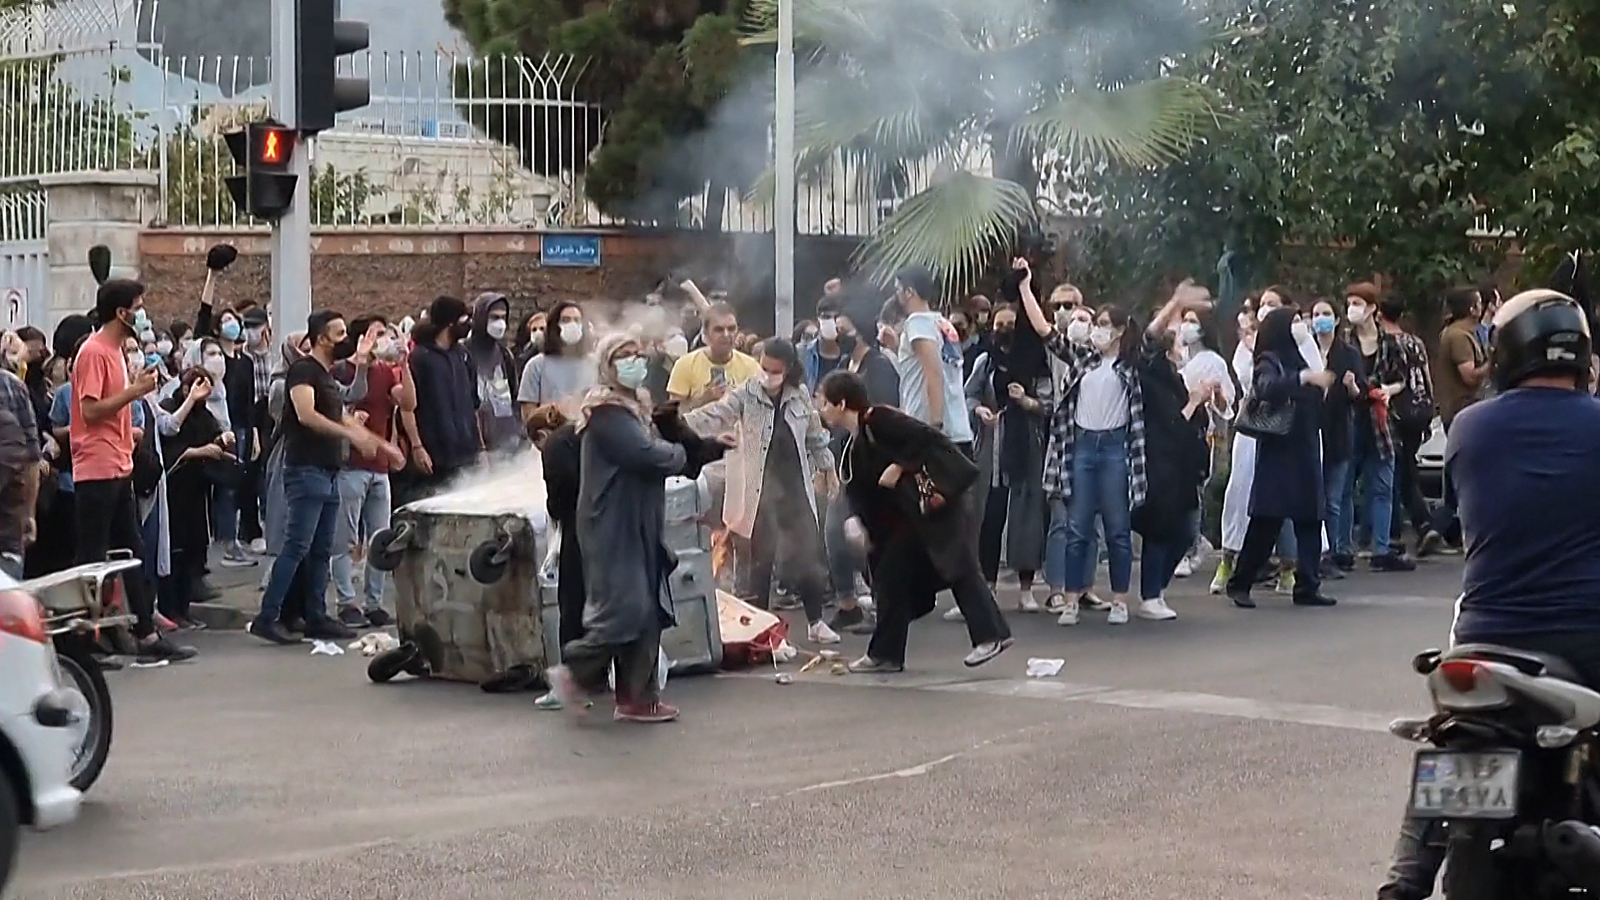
771 484
529 340
1201 365
1379 375
1338 415
1286 485
498 417
1095 464
622 508
563 370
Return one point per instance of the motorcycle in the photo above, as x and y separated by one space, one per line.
1511 773
84 608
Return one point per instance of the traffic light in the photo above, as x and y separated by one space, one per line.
264 150
320 39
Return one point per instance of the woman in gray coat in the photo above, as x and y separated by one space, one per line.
621 515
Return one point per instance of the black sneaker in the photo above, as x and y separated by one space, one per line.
1391 562
157 648
352 617
329 630
1315 600
379 618
1344 562
845 619
273 633
1241 599
1429 544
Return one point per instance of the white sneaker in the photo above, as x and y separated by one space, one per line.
258 546
953 614
865 602
1069 614
1094 604
1185 568
1118 614
1028 603
820 633
1156 610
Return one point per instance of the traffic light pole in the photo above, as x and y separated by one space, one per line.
291 235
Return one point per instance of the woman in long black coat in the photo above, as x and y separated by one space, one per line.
1288 477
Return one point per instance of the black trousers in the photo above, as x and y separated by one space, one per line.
108 519
1259 539
905 584
789 531
589 661
1420 851
1409 504
569 586
996 509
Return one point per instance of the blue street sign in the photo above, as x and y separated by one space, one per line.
569 249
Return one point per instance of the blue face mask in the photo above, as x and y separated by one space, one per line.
1323 324
152 360
631 372
141 322
230 330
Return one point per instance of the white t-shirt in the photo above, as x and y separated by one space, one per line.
1102 399
930 326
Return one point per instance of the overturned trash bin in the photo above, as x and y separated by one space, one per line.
466 574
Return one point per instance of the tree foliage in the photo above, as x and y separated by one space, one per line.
994 97
657 70
1369 136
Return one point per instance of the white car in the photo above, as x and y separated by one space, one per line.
1430 464
37 737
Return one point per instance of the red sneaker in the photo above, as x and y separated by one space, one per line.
648 713
165 625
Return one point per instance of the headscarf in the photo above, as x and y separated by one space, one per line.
291 351
1276 336
217 402
608 391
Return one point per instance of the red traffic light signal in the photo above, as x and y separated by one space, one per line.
264 150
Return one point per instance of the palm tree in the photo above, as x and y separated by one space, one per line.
993 96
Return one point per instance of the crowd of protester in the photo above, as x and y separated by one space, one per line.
884 453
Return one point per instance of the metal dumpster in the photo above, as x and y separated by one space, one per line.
466 573
695 643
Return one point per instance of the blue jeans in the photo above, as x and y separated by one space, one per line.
1375 500
843 560
1100 489
1160 558
311 514
1340 511
1055 550
363 512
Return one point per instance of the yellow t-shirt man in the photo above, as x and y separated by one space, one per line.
695 372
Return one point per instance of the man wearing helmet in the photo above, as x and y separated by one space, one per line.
1526 469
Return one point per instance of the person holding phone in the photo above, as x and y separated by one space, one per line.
707 374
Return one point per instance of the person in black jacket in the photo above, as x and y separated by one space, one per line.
1338 412
561 456
447 396
1177 462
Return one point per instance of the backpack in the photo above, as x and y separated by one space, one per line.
1413 407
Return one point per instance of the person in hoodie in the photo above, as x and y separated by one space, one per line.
498 421
447 396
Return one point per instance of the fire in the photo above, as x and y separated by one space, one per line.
722 554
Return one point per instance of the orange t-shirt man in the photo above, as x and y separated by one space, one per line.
101 451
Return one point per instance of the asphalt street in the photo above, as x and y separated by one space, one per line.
1231 753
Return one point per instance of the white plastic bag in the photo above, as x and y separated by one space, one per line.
663 666
550 569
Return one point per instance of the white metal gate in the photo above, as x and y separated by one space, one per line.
24 259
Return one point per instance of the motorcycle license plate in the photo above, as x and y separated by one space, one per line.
1447 784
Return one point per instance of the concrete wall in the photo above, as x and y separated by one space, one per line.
399 272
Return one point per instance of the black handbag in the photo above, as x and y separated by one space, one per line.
1258 419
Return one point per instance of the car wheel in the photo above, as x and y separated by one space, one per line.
10 829
94 736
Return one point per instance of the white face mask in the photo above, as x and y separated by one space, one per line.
828 329
163 347
1263 312
135 364
571 332
255 336
1102 338
1189 333
1063 317
216 365
675 346
1357 314
1078 332
774 381
387 349
1301 332
496 328
536 338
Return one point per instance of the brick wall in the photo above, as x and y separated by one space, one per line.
398 273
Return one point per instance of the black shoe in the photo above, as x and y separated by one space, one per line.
1329 570
1429 544
273 633
204 592
158 649
379 618
1344 562
107 664
1315 600
294 626
845 619
1391 562
351 617
1241 599
329 630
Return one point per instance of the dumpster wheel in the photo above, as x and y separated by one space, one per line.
405 658
488 562
388 547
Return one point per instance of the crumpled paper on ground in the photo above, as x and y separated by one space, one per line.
1044 668
326 648
375 642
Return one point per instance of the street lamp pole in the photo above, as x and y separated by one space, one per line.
783 224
